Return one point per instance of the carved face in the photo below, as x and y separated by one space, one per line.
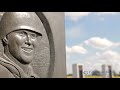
22 44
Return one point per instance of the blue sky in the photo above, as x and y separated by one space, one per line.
92 39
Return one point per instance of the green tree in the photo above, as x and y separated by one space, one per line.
96 73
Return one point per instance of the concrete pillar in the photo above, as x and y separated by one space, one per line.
77 71
110 71
107 71
104 71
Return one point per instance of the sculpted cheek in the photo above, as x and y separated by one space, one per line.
19 40
35 43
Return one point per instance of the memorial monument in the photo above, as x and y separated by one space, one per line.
77 71
107 71
32 45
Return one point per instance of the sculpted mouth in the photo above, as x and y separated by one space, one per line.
27 50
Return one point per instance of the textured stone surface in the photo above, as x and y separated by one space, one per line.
56 20
50 56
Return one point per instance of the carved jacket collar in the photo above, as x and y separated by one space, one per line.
15 69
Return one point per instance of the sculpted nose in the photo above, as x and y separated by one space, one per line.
28 40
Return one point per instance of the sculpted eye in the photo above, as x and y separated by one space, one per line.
22 33
33 35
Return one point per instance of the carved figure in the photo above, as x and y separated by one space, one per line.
19 32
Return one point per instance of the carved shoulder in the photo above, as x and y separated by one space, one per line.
5 73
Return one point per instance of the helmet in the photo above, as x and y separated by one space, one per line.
12 21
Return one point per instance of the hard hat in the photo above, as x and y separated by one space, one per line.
12 21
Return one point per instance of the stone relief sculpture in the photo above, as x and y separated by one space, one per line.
29 45
19 33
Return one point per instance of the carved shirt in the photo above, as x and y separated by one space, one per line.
12 70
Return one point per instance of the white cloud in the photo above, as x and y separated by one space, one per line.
79 49
76 49
95 61
70 51
101 43
108 57
75 16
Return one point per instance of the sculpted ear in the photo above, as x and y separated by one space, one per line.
5 40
